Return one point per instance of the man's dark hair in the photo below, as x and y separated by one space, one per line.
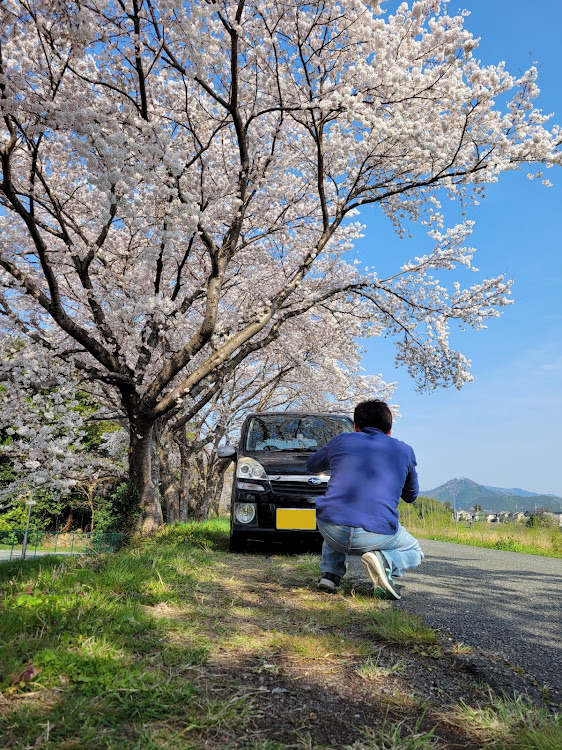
373 413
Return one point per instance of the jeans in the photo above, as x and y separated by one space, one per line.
400 550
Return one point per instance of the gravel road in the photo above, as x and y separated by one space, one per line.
506 605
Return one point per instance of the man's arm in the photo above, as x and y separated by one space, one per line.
411 485
319 461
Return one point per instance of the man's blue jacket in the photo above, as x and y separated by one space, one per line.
369 472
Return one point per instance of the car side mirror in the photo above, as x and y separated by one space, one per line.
226 451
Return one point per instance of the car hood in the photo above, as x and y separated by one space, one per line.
282 463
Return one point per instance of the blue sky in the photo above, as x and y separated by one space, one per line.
505 428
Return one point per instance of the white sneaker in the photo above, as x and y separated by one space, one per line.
378 571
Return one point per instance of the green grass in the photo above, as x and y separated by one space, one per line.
105 663
394 626
373 670
503 724
118 651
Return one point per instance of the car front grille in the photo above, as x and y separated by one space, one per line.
298 488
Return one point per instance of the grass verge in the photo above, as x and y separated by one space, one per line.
511 537
551 546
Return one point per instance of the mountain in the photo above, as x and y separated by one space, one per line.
464 494
516 491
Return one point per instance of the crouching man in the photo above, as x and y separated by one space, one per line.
358 515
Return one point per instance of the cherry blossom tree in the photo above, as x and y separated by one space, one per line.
181 180
45 424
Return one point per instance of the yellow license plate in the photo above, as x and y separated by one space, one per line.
295 518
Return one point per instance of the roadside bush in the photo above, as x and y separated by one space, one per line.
119 511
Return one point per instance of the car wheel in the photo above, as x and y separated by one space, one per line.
237 542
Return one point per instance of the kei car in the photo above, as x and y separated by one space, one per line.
273 495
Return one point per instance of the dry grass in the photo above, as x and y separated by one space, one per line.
515 537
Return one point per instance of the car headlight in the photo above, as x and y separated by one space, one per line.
249 468
244 512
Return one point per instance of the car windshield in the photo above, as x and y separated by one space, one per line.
273 432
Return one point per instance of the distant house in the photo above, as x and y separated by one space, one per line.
463 515
501 517
556 518
505 516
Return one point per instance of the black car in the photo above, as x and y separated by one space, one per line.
273 496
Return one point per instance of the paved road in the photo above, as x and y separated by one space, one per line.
16 555
505 604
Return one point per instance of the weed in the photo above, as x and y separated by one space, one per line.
432 650
395 626
508 724
372 669
400 699
398 737
512 537
460 648
315 646
508 543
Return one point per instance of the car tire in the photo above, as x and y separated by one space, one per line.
237 542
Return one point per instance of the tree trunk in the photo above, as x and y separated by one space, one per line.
185 480
140 474
169 484
68 522
91 491
202 510
218 488
196 463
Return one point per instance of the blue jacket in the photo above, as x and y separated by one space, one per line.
369 472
